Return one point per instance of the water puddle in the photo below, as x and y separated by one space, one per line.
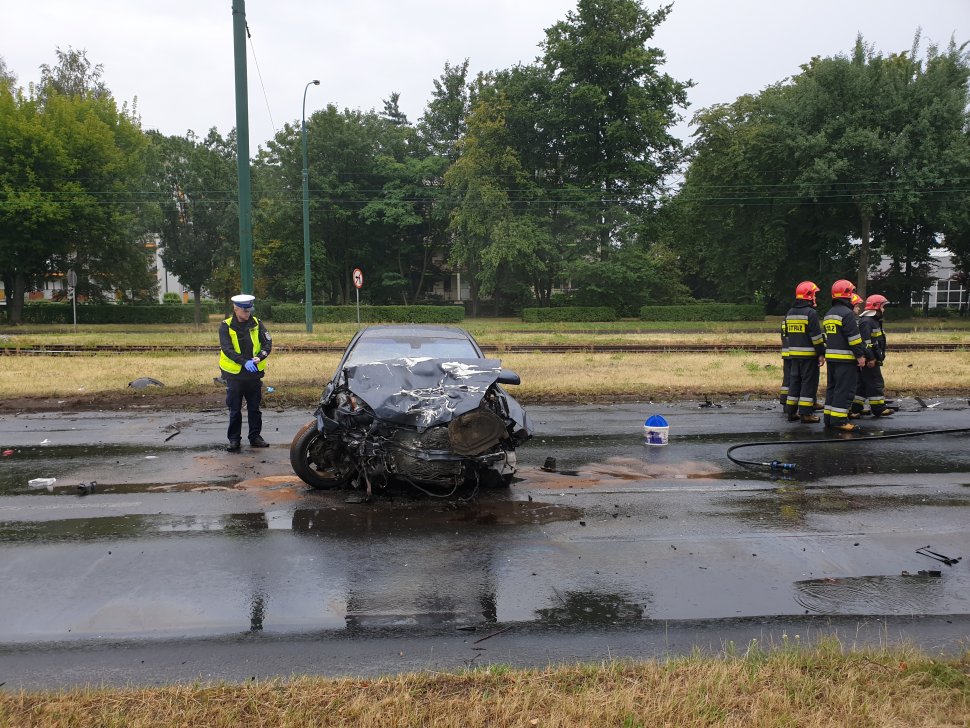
785 508
904 594
400 518
592 609
365 520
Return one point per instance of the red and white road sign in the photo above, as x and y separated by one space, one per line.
358 278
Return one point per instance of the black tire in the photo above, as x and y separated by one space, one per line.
308 457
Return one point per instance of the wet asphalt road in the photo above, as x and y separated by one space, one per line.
187 562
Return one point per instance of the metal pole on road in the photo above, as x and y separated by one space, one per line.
306 215
242 147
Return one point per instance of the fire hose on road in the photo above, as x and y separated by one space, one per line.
779 465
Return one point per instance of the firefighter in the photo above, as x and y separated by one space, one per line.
844 353
785 371
857 305
871 384
806 353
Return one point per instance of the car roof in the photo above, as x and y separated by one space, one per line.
430 331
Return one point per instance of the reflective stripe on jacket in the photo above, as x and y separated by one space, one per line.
873 336
227 364
803 331
842 339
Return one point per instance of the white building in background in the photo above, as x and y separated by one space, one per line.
55 288
167 283
942 292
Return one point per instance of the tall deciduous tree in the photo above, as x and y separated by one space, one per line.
496 228
68 165
196 181
857 155
612 110
7 76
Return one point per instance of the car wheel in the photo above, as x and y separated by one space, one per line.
319 462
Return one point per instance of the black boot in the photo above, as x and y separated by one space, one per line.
258 441
233 446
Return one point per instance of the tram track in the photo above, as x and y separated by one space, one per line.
678 348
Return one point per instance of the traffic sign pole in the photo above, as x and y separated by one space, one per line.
72 286
358 278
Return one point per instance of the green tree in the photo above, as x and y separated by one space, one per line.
196 182
68 166
611 111
7 76
496 228
855 156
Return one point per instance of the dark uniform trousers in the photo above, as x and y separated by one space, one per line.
803 384
786 367
840 391
238 389
871 386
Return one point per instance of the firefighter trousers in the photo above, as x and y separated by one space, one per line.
843 377
802 385
872 387
785 380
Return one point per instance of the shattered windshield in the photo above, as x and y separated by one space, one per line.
384 348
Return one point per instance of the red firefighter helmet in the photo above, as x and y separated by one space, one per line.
843 289
855 300
875 302
806 290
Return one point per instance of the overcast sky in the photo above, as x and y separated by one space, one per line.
176 56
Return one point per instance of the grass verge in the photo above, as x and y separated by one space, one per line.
299 378
794 686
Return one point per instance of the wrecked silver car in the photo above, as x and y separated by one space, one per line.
413 404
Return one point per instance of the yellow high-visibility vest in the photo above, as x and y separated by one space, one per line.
227 364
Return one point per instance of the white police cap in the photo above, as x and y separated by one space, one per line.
243 300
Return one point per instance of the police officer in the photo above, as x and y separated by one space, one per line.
844 353
806 353
871 383
245 344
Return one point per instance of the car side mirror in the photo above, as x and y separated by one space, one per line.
507 376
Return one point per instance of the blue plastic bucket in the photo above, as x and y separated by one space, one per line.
656 430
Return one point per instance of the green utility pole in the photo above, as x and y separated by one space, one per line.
242 146
306 216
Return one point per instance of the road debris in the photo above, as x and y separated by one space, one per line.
86 488
949 561
144 383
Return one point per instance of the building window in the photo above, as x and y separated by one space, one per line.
949 294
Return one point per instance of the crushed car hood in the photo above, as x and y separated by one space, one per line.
425 392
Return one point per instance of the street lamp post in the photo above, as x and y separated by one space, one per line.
306 215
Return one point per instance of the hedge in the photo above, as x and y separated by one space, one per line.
99 313
568 313
704 312
296 313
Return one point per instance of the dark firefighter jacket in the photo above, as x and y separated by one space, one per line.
239 342
873 336
843 343
803 331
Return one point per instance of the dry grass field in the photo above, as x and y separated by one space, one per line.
817 687
298 378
